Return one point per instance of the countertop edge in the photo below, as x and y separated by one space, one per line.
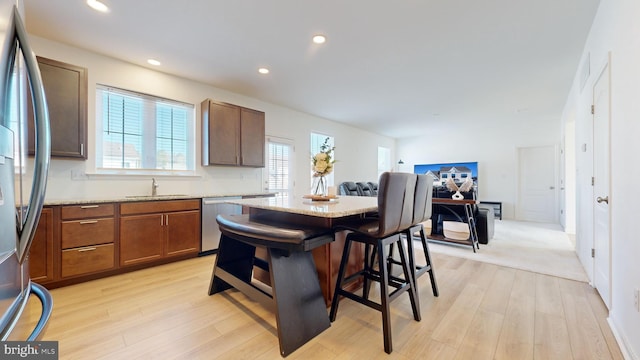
122 199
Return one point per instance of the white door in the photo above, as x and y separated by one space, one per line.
601 220
537 193
279 170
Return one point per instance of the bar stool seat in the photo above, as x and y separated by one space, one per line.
295 297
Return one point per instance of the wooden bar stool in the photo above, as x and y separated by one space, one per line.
395 211
296 297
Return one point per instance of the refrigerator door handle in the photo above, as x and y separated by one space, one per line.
42 142
47 307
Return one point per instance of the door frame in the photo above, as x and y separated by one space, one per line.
556 167
606 67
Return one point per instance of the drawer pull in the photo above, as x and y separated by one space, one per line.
87 249
88 222
89 206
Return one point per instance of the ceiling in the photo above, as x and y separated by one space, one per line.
392 67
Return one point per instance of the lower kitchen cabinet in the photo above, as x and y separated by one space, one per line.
87 238
88 259
41 253
154 230
76 243
183 233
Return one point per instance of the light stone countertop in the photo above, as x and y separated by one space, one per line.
120 199
340 207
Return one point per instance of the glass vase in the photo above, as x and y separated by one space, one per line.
319 187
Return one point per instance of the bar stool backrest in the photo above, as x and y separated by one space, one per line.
395 202
423 199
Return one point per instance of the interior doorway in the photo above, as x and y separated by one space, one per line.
537 184
601 189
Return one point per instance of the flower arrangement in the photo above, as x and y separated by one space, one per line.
322 164
323 161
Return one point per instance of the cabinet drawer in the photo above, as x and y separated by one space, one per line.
87 260
147 207
87 232
87 211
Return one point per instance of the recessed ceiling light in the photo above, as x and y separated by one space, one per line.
154 62
263 70
98 6
319 39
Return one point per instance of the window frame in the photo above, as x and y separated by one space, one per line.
148 132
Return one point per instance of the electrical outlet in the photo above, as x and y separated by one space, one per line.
78 175
636 299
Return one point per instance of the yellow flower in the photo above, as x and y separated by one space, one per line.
322 163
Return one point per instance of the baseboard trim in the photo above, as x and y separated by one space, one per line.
627 352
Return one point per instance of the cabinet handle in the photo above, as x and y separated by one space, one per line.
88 222
87 249
162 220
167 222
89 206
82 149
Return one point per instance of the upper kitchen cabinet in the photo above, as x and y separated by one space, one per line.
232 135
65 88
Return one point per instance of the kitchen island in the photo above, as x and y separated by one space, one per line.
326 214
301 248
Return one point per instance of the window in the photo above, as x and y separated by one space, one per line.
143 132
384 160
279 166
317 140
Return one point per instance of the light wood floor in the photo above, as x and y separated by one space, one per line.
484 311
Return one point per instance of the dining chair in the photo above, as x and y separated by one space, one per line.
395 214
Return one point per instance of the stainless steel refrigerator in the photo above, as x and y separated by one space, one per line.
20 206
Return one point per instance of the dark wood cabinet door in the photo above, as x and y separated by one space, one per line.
41 252
183 232
65 88
252 137
223 135
141 238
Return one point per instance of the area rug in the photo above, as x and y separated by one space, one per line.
537 247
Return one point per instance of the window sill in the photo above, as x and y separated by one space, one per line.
117 173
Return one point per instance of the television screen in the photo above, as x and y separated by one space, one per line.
459 172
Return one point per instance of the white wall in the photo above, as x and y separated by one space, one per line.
615 31
356 159
493 145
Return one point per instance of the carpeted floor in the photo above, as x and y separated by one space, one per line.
537 247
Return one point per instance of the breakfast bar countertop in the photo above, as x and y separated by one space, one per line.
341 206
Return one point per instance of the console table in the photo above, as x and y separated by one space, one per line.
468 209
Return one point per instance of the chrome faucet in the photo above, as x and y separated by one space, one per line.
154 187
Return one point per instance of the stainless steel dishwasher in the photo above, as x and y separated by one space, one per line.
211 207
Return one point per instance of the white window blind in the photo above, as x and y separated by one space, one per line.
279 157
144 132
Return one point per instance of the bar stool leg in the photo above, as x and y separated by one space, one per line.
340 279
427 255
234 257
301 312
384 298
